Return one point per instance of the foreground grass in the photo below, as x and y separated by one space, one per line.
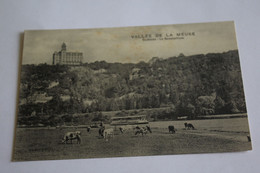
45 144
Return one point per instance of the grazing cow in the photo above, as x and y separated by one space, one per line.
189 126
108 133
101 131
137 127
171 129
121 129
69 136
248 138
141 130
149 129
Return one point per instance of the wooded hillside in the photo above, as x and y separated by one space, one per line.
189 85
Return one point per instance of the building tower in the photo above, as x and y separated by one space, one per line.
63 52
63 47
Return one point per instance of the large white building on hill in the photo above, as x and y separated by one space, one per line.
67 58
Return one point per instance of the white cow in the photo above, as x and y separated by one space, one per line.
108 133
69 136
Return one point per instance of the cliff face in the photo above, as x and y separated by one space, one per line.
195 85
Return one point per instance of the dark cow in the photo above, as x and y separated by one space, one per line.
101 131
189 126
248 138
70 136
149 129
142 130
137 127
121 129
171 129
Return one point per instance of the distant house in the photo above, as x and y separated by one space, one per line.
41 98
135 73
53 84
100 71
65 97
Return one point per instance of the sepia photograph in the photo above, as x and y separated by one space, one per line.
130 91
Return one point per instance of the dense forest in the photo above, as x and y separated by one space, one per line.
188 85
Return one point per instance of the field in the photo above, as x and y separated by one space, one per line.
216 135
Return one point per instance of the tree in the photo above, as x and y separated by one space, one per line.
54 120
67 118
181 55
231 107
191 111
205 105
55 104
219 105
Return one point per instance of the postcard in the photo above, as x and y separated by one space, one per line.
130 91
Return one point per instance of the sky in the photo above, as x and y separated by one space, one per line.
126 44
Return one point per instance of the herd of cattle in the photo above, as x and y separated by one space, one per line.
108 133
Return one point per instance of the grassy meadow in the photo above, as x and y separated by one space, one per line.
216 135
